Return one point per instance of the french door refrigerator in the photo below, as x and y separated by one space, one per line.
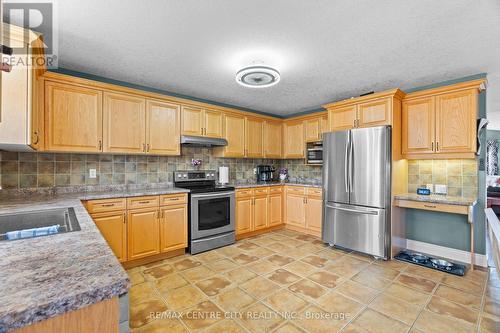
357 189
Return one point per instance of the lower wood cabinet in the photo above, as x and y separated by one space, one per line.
143 233
304 209
173 228
113 227
258 209
140 227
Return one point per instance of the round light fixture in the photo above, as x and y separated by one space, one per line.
258 76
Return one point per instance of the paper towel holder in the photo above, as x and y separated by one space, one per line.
223 175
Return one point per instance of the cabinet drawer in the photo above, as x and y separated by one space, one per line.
106 205
296 189
261 190
317 192
247 192
143 202
437 207
173 199
276 189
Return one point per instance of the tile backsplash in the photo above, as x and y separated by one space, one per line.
460 175
31 170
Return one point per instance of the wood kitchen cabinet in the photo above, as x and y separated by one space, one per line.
73 118
162 128
201 122
173 228
260 212
303 209
275 215
244 214
254 136
312 129
273 134
374 113
113 227
342 118
143 233
234 132
441 122
124 123
293 136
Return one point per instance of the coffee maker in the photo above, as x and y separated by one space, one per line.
265 173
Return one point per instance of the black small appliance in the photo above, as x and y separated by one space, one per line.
265 173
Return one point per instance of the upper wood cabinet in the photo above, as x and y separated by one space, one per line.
124 124
312 129
201 122
254 136
234 132
273 134
441 122
377 109
418 138
293 136
73 118
162 128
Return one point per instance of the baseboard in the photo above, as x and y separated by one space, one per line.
446 252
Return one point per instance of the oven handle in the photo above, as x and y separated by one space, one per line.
212 195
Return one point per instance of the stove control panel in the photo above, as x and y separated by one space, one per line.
194 175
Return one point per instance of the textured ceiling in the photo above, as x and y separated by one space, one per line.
326 50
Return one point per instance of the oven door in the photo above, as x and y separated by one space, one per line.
212 214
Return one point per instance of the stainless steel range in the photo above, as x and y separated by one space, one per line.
211 210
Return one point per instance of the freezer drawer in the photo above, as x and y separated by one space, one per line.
357 228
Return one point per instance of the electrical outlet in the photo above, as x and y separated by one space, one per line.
441 189
430 187
92 173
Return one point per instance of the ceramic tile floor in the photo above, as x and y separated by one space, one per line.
288 282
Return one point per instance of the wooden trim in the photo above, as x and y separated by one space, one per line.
101 317
436 207
17 33
477 84
396 93
307 116
440 156
153 258
259 232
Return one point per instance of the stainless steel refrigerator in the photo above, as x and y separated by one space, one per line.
357 190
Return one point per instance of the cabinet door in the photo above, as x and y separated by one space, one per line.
342 118
260 211
312 129
254 130
418 126
456 115
275 209
244 215
295 210
73 118
314 212
173 228
272 139
374 113
234 132
143 233
113 228
162 128
324 126
124 123
191 121
294 140
213 124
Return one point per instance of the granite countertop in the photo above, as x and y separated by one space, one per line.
250 185
438 198
47 276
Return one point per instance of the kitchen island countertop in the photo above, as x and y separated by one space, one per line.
437 198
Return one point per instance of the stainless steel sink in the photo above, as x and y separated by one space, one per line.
63 218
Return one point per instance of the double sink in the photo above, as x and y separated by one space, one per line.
37 223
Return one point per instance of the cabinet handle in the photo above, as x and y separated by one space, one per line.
100 144
108 205
429 206
437 146
432 146
174 199
144 202
147 147
37 139
124 217
143 147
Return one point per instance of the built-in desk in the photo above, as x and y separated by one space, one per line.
444 204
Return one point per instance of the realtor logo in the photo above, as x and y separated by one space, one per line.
38 16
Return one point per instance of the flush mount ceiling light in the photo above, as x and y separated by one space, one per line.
258 76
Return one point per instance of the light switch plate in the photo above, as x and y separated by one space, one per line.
441 189
92 173
430 187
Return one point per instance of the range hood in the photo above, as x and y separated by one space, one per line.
200 141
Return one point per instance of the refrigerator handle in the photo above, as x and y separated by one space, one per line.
346 165
368 212
351 162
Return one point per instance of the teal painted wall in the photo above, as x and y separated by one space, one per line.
452 230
